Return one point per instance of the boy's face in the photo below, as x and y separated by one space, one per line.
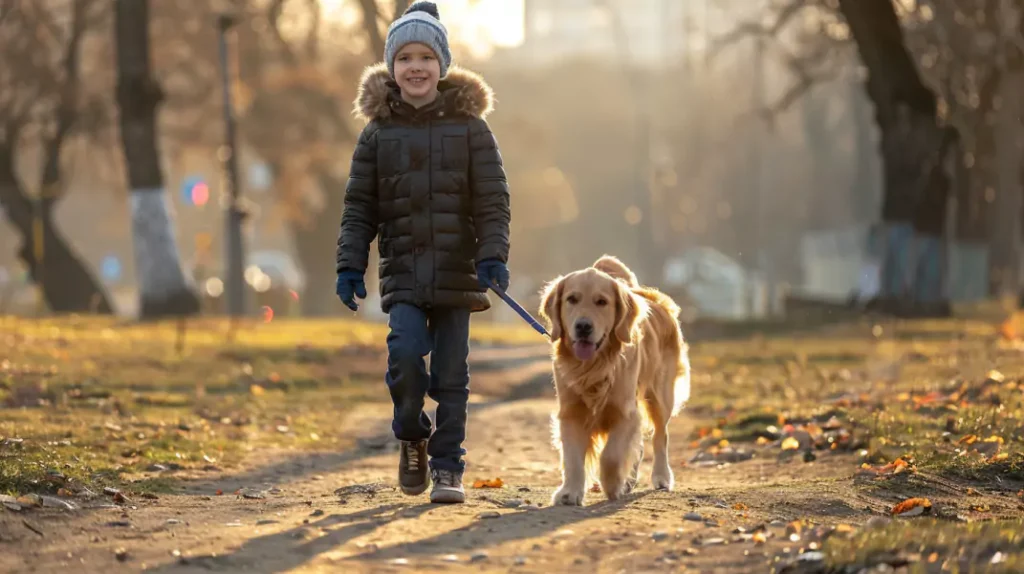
417 72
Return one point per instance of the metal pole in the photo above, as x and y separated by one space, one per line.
757 164
39 251
234 273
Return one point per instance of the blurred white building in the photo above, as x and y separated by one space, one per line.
651 30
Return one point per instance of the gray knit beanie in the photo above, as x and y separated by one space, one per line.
420 23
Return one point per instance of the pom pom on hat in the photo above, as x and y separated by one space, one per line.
423 6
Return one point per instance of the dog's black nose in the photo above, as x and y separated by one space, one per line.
584 328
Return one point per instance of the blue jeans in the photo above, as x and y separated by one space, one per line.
444 334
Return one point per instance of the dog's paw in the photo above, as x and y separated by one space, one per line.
566 496
615 489
662 479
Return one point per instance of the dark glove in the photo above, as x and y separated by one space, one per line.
494 270
350 285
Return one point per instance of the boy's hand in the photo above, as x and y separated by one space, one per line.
350 285
494 270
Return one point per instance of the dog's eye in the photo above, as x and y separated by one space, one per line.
601 302
572 300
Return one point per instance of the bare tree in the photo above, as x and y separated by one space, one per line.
163 287
297 78
42 104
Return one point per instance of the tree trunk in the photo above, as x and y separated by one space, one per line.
164 289
905 111
969 265
866 179
67 284
1005 241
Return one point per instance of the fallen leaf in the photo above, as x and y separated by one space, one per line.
969 439
761 441
794 527
912 507
740 506
844 529
899 465
790 444
488 483
64 492
1008 330
760 537
999 457
256 390
219 492
30 500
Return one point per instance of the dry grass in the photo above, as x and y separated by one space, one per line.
89 402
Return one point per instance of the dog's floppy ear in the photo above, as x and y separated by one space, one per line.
627 314
551 306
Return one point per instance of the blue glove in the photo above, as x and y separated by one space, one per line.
494 270
350 285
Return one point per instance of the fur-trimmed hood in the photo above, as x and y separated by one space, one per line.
472 97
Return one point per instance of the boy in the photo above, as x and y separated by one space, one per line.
427 180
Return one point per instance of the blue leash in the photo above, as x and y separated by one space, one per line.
518 308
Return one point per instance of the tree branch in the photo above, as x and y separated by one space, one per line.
754 27
400 7
313 34
370 15
6 8
67 104
274 11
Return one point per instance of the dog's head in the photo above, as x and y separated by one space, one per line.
589 311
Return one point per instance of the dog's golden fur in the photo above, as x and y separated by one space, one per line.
636 380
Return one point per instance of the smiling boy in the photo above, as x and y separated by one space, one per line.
427 180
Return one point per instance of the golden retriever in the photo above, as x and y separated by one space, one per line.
621 367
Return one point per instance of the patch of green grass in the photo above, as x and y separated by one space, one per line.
88 402
931 545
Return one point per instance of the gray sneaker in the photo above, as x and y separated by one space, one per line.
412 467
447 486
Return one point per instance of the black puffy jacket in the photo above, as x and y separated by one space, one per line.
430 185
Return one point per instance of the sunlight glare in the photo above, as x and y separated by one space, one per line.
482 25
502 19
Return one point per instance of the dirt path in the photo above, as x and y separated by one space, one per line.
341 512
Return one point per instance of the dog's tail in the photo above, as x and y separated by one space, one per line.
617 269
682 384
666 315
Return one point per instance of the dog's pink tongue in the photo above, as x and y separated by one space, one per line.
584 350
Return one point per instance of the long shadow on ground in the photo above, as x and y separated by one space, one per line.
289 549
510 527
530 383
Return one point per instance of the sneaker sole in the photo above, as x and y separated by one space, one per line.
415 490
447 497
